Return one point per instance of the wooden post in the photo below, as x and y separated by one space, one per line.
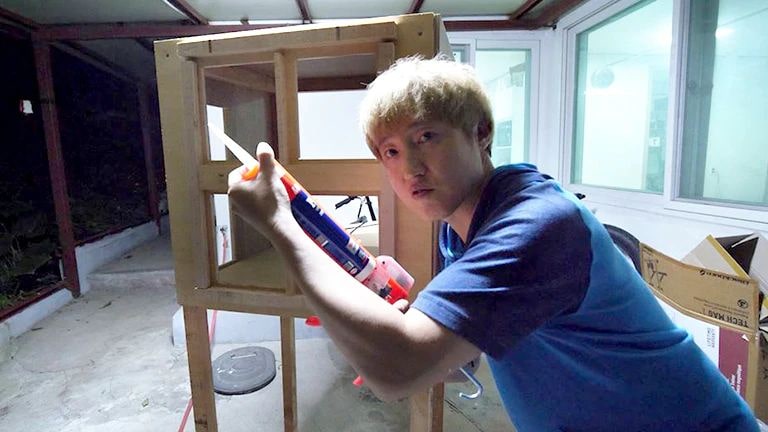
142 94
200 370
42 51
288 354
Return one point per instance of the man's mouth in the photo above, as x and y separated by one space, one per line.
420 192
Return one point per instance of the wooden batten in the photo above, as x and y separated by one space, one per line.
247 300
346 49
178 108
288 354
242 78
357 82
385 56
306 36
287 96
200 369
240 59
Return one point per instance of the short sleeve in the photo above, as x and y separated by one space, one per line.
528 263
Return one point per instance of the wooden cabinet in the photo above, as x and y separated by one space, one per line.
255 77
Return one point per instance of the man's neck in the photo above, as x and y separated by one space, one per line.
461 219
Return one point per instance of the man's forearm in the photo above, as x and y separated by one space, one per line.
364 326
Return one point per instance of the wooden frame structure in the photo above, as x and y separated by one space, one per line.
273 66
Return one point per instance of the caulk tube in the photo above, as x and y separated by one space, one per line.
331 237
319 226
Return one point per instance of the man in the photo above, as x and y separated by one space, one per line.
574 338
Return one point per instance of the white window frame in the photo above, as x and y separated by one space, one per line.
528 40
668 203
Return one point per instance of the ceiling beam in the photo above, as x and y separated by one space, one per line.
14 32
415 6
169 30
132 31
304 8
552 14
147 45
524 9
190 12
18 20
484 25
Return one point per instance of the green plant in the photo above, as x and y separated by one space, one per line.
25 250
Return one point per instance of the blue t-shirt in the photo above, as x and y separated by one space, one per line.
574 338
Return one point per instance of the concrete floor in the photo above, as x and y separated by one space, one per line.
105 362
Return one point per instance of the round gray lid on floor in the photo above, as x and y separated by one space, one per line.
243 370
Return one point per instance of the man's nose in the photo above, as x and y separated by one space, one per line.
414 164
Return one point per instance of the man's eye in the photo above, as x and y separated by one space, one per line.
425 137
390 153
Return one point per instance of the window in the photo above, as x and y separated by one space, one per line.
621 103
679 115
725 133
506 74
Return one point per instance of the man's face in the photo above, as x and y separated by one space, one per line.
433 167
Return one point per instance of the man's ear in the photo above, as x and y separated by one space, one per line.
484 133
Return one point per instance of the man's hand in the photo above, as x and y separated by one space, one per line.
263 201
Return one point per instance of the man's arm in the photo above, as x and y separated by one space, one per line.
397 354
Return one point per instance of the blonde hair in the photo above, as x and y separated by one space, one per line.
417 89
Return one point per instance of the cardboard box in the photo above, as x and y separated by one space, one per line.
717 293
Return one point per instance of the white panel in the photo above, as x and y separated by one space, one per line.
329 9
331 133
253 10
470 8
92 11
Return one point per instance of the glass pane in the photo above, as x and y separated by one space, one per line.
506 74
725 156
460 52
622 88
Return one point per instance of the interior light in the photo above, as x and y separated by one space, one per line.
722 32
25 106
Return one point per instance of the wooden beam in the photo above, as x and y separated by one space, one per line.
288 358
309 36
242 78
552 14
42 52
190 12
200 369
359 82
415 6
132 31
145 116
524 9
287 96
304 8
